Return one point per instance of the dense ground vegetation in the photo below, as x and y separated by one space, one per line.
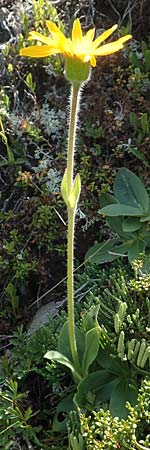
36 396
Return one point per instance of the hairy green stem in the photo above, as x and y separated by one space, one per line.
71 222
75 94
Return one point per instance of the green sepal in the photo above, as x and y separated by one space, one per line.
76 70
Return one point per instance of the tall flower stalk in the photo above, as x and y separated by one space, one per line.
80 52
75 92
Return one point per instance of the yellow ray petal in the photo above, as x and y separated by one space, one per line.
39 51
54 30
90 34
93 61
113 47
124 38
76 31
68 47
104 36
34 35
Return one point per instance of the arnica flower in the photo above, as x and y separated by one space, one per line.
83 48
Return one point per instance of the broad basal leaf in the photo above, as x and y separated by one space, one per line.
122 393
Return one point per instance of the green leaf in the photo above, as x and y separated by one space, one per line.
133 120
10 155
121 393
112 365
144 124
146 265
135 60
129 190
144 48
90 386
91 349
99 253
64 342
145 219
120 210
106 199
147 60
131 224
28 413
61 359
135 249
111 254
19 161
90 321
115 224
63 408
120 250
138 155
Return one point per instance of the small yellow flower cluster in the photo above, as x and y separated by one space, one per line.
142 284
25 177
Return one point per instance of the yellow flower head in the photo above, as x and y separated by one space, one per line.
82 48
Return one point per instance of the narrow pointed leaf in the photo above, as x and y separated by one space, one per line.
91 349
